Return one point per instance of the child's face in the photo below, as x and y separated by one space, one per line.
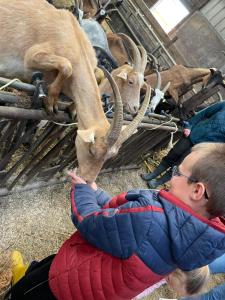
177 281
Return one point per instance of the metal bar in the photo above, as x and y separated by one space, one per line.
7 137
35 157
21 113
21 86
146 119
153 126
46 158
128 27
37 143
15 99
17 141
8 98
152 31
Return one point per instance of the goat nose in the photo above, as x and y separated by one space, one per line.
134 110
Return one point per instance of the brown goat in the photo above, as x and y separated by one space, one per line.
117 48
37 36
181 80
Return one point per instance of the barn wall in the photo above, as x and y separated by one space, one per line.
199 42
200 39
214 12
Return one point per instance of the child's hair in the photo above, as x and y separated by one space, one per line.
194 280
210 169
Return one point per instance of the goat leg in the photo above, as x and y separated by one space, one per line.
39 58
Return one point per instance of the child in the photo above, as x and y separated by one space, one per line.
130 242
183 283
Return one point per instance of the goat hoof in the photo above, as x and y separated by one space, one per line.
55 108
49 111
72 113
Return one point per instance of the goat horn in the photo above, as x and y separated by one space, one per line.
116 125
154 59
135 52
158 84
166 87
144 58
129 130
78 4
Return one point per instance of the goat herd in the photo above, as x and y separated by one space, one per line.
39 36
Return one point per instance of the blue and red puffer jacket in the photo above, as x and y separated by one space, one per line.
130 242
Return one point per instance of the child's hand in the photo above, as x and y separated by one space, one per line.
94 186
186 132
75 178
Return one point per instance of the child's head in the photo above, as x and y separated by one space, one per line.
210 169
200 180
190 282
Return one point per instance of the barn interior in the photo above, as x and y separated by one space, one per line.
37 149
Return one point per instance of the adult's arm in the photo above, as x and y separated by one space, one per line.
205 113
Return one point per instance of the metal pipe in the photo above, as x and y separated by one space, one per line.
12 99
21 113
128 26
157 116
18 85
154 126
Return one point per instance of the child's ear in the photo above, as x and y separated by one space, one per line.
198 191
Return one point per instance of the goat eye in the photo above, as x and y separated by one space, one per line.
131 82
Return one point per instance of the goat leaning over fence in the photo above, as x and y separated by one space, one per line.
37 36
129 79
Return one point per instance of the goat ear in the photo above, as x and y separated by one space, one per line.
87 135
123 75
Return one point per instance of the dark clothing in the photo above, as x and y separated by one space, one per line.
178 152
34 285
208 125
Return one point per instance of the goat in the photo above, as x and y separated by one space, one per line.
181 80
117 48
41 37
93 9
129 79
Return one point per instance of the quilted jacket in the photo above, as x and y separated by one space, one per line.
130 242
208 125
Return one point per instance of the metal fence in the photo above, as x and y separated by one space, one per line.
128 19
35 148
